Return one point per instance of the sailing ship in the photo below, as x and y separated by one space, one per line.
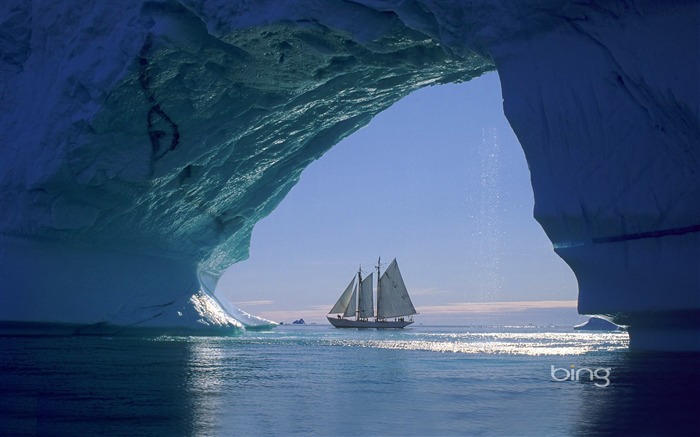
355 307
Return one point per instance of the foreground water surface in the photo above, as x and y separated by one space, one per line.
317 380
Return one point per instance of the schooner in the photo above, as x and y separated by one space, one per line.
355 307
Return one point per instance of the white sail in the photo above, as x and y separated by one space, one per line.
393 299
352 305
366 305
343 303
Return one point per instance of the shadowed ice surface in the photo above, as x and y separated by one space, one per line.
316 380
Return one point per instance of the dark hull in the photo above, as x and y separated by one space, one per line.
347 323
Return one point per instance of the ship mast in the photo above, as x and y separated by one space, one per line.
359 293
379 262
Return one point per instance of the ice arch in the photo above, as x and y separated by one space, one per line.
143 140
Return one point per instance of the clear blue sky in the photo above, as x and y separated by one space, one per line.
438 181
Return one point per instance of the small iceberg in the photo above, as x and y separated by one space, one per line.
249 321
598 324
208 282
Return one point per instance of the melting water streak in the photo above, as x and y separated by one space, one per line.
488 224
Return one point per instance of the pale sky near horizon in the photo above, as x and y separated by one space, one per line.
438 181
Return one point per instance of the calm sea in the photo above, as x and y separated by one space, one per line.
318 380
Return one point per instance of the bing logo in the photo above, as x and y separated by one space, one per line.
573 374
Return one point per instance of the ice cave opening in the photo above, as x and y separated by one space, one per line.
141 142
461 228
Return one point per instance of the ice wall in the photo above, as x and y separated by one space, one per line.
142 140
606 107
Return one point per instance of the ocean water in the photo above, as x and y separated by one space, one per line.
318 380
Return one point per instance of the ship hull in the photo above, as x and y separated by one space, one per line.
386 324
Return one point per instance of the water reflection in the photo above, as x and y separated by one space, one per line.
95 386
649 395
220 373
310 382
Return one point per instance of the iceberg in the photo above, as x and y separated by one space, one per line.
142 141
598 324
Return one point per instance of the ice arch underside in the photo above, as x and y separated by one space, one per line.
142 140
